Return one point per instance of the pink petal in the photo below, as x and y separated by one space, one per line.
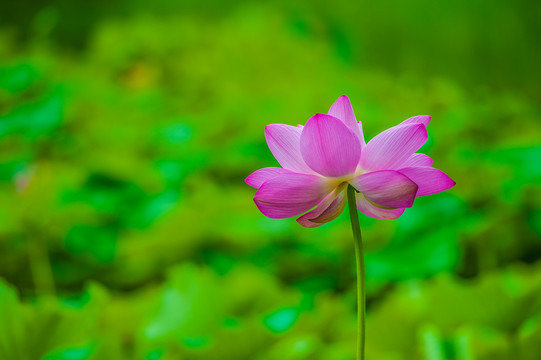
329 147
291 194
391 148
342 110
284 143
257 178
429 180
418 159
386 188
373 211
419 119
327 210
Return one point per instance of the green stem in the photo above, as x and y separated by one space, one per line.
361 299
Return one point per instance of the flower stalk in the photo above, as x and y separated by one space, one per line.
361 296
329 154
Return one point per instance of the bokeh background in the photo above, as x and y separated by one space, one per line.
126 131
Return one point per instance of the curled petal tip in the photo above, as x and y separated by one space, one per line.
290 194
376 212
430 180
258 178
327 210
387 188
418 159
419 119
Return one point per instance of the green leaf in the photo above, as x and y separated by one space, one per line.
36 119
74 353
281 320
17 78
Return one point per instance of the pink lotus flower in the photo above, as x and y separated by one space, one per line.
320 159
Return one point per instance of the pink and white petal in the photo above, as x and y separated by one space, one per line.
329 147
327 210
291 194
419 119
284 143
258 177
369 209
386 188
429 180
342 110
391 148
418 159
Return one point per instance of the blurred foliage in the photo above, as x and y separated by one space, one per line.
127 232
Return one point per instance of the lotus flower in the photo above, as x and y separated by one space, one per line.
320 159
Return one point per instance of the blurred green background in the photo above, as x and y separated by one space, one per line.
127 129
